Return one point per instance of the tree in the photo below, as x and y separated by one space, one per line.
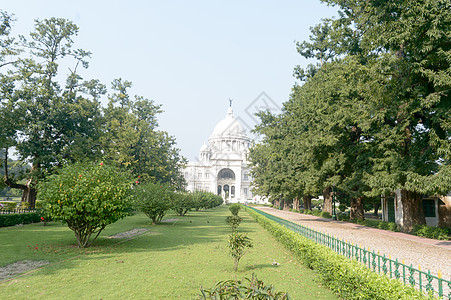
87 197
56 125
238 242
131 138
182 202
153 199
405 44
372 116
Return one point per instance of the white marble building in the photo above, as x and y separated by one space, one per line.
223 166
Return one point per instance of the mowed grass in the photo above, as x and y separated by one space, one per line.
171 261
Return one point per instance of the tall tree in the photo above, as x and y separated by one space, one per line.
54 120
403 48
132 140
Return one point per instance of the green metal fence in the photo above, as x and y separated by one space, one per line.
18 211
424 281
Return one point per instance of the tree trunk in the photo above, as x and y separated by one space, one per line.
28 192
412 210
376 208
276 203
327 204
357 211
286 204
307 202
296 203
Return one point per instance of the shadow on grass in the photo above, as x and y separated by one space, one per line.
57 243
259 267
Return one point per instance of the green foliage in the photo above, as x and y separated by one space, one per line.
24 205
318 213
8 205
22 218
182 202
372 116
249 288
233 221
206 200
153 199
131 138
235 208
237 243
325 214
348 278
87 198
342 207
436 233
38 204
377 224
343 217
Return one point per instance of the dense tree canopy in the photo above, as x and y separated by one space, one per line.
373 115
53 117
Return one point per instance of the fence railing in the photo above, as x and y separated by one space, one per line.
18 211
380 263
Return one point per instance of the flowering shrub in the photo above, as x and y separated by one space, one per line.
87 197
153 199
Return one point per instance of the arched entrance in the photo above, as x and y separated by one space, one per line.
226 184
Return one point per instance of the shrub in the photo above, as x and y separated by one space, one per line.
238 242
431 232
235 208
24 205
87 198
205 200
23 218
246 289
348 278
343 217
233 222
153 199
182 203
9 205
342 207
325 214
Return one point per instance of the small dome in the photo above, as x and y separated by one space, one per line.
204 148
229 127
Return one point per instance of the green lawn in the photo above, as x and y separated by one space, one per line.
170 261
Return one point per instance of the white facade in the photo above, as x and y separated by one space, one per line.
223 166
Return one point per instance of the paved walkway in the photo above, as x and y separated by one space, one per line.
430 254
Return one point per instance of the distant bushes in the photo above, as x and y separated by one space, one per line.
23 218
432 232
8 205
155 200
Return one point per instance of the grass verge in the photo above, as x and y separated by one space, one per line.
348 278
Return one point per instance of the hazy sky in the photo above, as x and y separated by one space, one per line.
189 56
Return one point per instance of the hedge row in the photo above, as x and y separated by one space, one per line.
14 219
347 278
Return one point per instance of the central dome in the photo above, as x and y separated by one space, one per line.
229 127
